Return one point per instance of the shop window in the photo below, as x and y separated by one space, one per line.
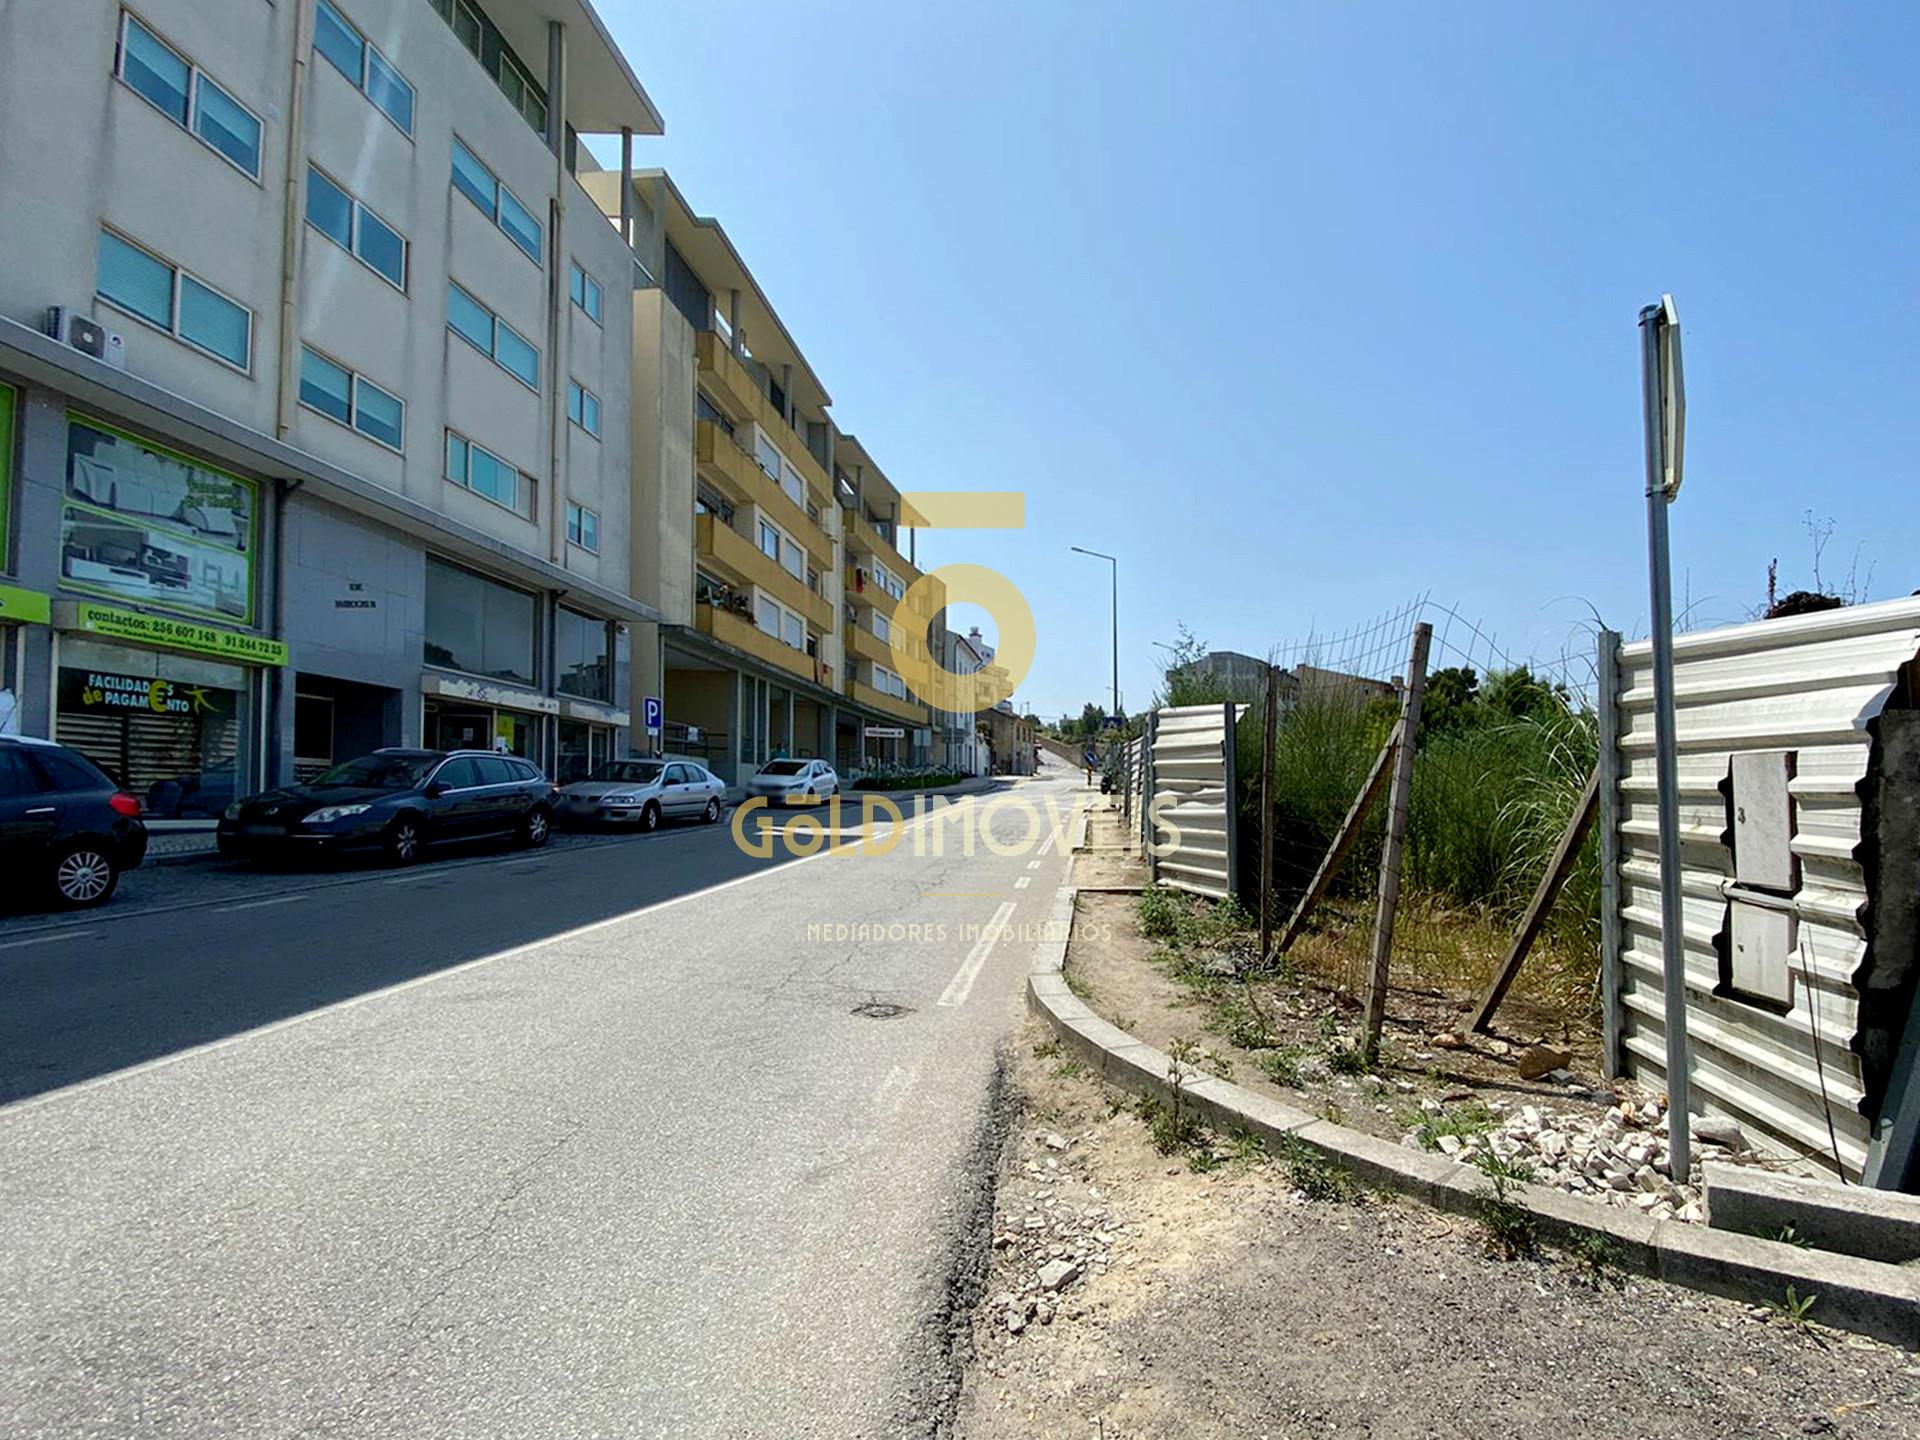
478 625
167 729
147 524
583 656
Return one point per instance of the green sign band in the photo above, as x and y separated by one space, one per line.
178 634
28 607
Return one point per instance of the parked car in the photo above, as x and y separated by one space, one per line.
64 823
186 797
794 782
643 793
395 801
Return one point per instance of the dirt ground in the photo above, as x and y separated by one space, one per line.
1224 1304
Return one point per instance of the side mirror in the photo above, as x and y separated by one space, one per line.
437 788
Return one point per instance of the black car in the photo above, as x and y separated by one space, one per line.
396 802
64 824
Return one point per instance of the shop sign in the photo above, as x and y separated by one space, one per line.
885 732
24 606
453 687
83 690
177 634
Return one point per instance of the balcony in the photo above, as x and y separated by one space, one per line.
733 472
870 593
863 644
740 560
910 712
742 634
729 380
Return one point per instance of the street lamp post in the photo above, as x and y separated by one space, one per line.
1081 550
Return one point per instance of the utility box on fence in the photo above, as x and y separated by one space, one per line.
1190 808
1799 778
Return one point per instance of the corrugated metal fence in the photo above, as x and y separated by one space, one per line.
1188 787
1774 749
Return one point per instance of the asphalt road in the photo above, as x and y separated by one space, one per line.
587 1142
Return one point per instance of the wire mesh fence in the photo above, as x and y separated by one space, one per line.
1504 749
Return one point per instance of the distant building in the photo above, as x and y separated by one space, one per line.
1243 677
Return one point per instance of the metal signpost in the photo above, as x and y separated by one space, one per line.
1663 398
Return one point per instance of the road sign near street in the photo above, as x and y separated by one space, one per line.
652 712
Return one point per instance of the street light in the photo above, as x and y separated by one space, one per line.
1080 550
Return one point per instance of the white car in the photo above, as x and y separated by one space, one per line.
794 782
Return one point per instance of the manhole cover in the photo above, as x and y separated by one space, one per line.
880 1010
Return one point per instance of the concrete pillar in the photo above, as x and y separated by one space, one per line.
733 323
626 184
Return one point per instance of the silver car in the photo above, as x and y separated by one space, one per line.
794 782
643 793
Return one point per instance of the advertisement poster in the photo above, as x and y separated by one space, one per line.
146 524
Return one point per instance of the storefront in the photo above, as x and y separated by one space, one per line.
18 609
170 709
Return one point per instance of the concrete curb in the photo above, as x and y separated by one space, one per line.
1866 1296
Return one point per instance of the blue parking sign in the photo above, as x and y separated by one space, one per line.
651 713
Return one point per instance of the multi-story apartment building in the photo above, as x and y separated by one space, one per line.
762 535
316 367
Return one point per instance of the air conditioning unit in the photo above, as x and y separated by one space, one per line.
87 336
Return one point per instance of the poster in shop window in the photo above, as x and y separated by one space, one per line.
147 524
102 692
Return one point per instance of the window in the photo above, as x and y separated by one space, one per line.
705 409
583 655
583 527
888 683
365 67
769 540
494 200
887 581
337 393
188 96
478 625
495 771
492 336
583 408
766 454
586 293
145 286
355 228
795 632
795 487
880 626
485 473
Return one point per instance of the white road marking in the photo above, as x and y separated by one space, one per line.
258 1032
961 985
1033 864
44 939
257 904
412 876
1023 882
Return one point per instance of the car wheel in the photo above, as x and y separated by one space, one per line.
405 840
650 818
712 812
84 875
535 829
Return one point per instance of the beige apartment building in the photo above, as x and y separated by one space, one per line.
315 377
764 536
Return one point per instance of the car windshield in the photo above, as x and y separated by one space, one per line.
628 772
380 772
784 767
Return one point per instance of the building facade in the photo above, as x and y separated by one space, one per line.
315 381
763 536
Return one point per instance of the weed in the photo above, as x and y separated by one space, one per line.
1162 912
1282 1066
1172 1125
1592 1254
1313 1174
1467 1120
1047 1048
1786 1235
1242 1025
1509 1224
1245 1147
1079 988
1793 1309
1069 1070
1348 1060
1331 1112
1201 1158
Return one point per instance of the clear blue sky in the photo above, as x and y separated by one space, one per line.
1302 309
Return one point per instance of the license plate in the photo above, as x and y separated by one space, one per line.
263 830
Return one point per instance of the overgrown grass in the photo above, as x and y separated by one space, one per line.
1492 791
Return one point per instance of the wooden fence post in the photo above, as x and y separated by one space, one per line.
1566 855
1266 814
1397 809
1343 841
